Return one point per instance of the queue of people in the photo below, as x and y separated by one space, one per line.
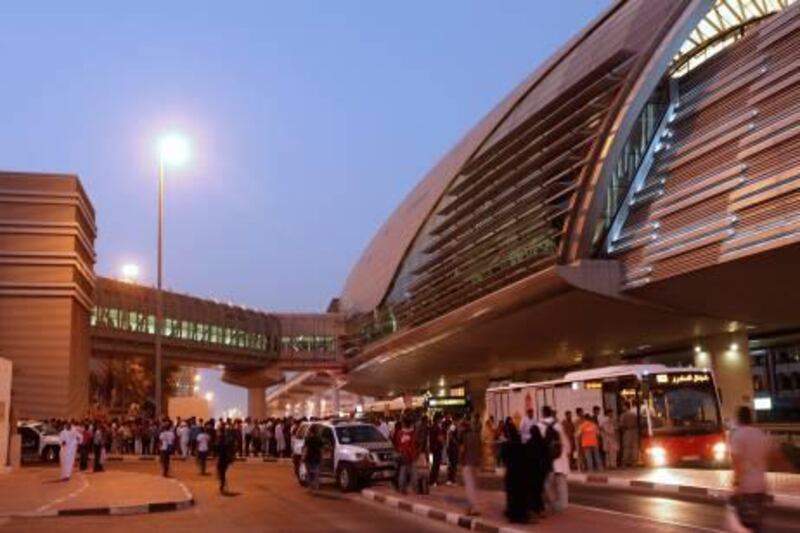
140 436
223 439
601 440
537 453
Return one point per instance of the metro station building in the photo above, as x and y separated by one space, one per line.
635 199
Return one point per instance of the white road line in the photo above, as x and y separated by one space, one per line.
184 488
647 518
71 495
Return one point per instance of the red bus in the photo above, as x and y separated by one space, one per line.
678 409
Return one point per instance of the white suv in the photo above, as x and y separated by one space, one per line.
40 442
353 453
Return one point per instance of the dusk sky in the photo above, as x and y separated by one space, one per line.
309 122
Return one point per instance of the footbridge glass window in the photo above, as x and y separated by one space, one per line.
187 330
308 343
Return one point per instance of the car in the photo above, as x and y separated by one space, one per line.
40 442
354 454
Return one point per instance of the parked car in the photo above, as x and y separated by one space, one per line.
354 454
40 442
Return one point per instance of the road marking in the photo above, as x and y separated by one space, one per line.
647 518
71 495
186 492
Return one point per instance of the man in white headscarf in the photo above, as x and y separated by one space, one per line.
70 438
183 438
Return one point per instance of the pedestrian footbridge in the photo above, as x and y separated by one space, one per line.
254 347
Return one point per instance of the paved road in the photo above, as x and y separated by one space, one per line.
268 499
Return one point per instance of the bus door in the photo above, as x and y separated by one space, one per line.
629 390
611 398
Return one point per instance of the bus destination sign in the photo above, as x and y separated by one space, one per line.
689 378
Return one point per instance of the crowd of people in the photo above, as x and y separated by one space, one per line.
223 439
537 453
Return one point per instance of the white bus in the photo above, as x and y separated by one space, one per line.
678 409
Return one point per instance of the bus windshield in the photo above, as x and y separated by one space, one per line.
683 403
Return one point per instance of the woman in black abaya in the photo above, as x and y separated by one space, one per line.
517 469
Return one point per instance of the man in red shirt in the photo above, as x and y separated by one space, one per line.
406 447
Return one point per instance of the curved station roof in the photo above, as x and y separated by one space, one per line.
644 151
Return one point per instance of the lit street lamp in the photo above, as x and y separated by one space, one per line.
173 150
130 273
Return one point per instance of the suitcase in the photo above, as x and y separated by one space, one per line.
422 485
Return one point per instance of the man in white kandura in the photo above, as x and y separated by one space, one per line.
70 438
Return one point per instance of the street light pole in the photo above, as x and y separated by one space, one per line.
159 296
173 150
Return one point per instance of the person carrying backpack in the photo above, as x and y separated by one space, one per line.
556 495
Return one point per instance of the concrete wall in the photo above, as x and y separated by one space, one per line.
5 409
47 257
729 358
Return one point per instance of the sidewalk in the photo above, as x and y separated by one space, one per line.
37 492
117 458
447 504
714 484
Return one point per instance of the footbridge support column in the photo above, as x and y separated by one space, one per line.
257 402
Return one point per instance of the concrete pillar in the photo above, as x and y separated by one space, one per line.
257 402
729 357
337 406
318 405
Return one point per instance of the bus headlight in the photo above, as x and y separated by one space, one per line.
720 450
658 455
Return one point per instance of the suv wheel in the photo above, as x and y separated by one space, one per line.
50 454
346 478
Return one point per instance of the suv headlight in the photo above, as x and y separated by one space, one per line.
361 456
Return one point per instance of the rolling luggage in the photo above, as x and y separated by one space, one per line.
422 485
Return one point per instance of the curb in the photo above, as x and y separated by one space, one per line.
160 507
779 500
119 510
462 521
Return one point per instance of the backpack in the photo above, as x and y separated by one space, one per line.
552 442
